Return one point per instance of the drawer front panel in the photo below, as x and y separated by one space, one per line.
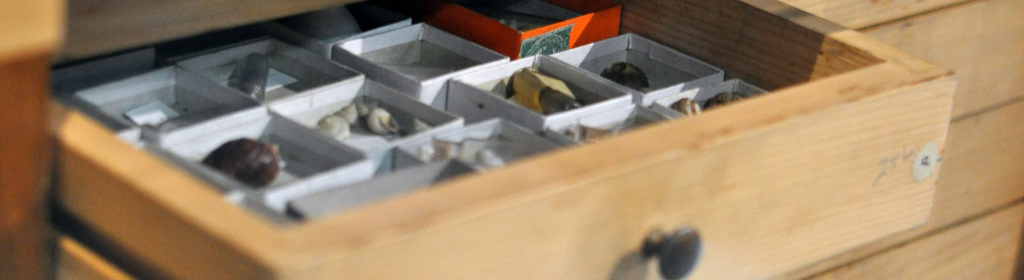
985 248
980 40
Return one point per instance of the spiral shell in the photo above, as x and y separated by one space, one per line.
247 160
334 126
380 122
687 107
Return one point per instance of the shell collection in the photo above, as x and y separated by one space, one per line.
722 99
687 107
250 75
247 160
540 93
627 74
476 151
368 114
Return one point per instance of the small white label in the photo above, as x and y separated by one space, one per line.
152 113
926 162
276 80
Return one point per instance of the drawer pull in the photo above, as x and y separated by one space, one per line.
677 252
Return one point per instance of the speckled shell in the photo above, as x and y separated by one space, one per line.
247 160
687 107
380 122
626 74
334 126
722 99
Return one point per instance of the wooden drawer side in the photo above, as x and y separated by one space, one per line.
108 185
76 262
767 43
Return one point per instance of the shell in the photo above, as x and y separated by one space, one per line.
380 122
250 75
687 107
350 114
419 126
334 126
439 150
489 158
626 74
363 109
247 160
540 93
722 99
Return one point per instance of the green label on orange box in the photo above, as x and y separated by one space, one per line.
548 43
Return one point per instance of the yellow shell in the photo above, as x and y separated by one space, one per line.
527 84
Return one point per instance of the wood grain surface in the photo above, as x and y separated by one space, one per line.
982 41
25 148
985 248
103 26
30 28
981 170
76 262
856 14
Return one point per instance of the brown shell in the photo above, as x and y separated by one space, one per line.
687 107
626 74
247 160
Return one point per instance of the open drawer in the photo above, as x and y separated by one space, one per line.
823 163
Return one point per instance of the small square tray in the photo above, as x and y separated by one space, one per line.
628 118
312 161
195 100
514 142
309 110
702 94
336 199
368 18
668 71
480 95
418 60
294 72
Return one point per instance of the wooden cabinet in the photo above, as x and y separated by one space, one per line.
822 165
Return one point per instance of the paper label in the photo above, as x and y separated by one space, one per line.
925 162
152 113
548 43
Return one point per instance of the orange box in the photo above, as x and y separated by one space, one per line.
599 20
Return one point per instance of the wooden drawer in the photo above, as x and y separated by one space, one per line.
821 165
76 262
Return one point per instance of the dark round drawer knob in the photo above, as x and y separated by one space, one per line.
677 251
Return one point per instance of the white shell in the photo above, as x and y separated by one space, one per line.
380 122
334 126
350 114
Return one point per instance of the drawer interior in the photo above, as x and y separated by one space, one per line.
790 175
